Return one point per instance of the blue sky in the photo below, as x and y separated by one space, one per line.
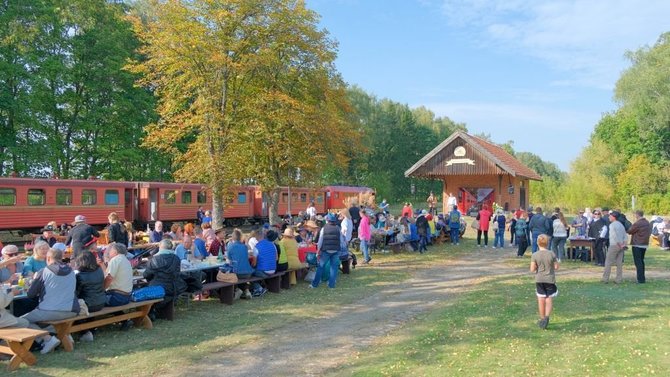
539 73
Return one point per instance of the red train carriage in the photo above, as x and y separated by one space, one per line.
294 198
30 203
170 202
335 195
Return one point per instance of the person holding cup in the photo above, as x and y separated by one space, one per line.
11 266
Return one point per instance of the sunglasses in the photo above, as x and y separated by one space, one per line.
12 254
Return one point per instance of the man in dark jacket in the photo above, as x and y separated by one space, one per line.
640 232
539 224
164 269
329 251
422 229
81 236
596 232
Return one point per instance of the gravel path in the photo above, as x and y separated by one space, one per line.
358 325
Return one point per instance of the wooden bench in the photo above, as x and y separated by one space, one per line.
286 278
396 247
108 315
19 341
226 291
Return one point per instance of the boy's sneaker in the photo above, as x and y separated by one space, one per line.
260 292
49 345
238 293
247 294
87 337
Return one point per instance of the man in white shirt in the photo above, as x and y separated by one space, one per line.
311 211
451 201
119 276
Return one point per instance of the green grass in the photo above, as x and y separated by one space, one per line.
204 328
596 330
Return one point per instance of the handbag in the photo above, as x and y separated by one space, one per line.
495 226
475 224
310 275
226 277
148 293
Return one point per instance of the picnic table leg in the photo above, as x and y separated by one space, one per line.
227 294
274 284
144 319
21 354
62 332
285 281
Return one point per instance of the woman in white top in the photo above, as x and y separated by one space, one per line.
559 237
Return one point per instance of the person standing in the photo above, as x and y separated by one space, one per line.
81 236
431 203
640 232
329 251
422 229
538 224
521 230
116 231
560 236
544 264
617 237
500 219
451 201
311 211
364 237
454 225
484 217
598 231
200 214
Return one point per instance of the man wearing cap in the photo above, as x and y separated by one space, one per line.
617 238
81 236
47 235
11 267
329 250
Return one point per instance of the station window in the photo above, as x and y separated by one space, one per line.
170 197
7 197
303 198
111 197
241 197
89 197
186 197
63 197
202 197
36 197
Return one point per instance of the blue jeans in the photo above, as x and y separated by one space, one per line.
453 234
365 250
116 299
334 259
499 241
422 243
534 240
558 246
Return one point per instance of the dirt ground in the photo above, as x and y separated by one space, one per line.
328 342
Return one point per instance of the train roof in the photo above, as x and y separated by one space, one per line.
43 182
348 188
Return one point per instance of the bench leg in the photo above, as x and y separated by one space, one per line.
62 332
286 281
144 319
227 294
21 354
274 284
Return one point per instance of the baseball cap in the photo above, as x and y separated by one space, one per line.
80 219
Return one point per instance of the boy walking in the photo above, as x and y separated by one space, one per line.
544 264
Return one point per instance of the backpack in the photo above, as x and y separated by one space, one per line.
454 217
520 228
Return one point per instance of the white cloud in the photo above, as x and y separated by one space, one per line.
586 39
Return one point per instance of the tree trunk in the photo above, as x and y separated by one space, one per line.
273 207
217 208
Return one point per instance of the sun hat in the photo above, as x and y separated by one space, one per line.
47 228
288 232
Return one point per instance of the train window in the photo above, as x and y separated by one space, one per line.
284 197
186 197
319 198
241 197
7 197
303 198
89 197
36 197
111 197
63 197
202 197
294 198
170 197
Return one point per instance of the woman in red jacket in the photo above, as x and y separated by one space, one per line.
484 218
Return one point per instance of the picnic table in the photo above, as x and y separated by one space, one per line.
578 241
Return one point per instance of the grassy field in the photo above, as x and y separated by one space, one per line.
596 330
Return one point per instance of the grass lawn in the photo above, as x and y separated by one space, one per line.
596 330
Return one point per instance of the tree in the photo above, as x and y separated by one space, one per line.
644 91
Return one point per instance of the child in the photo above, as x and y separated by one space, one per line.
544 264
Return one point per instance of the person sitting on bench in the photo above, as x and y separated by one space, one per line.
164 269
54 286
119 276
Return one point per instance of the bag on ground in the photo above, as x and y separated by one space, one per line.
148 293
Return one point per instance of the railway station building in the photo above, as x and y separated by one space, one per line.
476 172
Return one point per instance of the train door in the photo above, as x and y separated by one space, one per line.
129 205
153 204
264 205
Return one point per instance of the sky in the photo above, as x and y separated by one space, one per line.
539 73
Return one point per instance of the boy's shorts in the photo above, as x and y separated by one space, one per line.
546 290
